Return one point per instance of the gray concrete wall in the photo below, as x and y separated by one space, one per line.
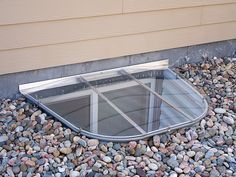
9 83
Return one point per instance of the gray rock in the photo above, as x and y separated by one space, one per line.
103 148
156 140
172 162
157 157
198 156
214 173
16 169
3 139
116 146
199 168
97 165
233 166
228 120
10 172
212 131
140 172
209 154
80 141
36 148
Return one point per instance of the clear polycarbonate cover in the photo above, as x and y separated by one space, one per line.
120 104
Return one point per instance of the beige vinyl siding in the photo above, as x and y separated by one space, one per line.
32 39
219 13
150 5
26 11
44 33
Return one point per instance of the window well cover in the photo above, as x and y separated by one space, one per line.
120 104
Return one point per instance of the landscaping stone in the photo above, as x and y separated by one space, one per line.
34 144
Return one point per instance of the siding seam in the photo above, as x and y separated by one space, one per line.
183 7
112 14
131 34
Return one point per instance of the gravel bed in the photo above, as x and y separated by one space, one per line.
34 144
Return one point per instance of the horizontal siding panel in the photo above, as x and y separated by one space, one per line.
55 55
219 13
44 33
148 5
24 11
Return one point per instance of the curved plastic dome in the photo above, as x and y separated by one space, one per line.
120 104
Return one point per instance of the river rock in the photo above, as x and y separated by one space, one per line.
220 110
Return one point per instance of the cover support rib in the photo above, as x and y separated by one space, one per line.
113 106
123 72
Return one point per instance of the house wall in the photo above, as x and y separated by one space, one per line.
36 34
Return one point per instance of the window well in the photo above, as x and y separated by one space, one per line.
120 104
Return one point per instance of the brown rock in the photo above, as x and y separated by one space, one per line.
30 163
66 150
56 153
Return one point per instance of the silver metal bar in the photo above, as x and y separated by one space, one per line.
123 72
94 113
114 106
151 107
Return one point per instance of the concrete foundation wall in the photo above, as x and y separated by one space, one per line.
9 82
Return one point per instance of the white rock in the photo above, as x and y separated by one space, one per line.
178 170
67 143
131 158
19 129
12 107
191 153
153 166
58 175
173 175
74 174
42 118
105 172
61 169
35 114
203 123
220 110
106 159
93 142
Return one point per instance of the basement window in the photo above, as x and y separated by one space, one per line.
120 104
